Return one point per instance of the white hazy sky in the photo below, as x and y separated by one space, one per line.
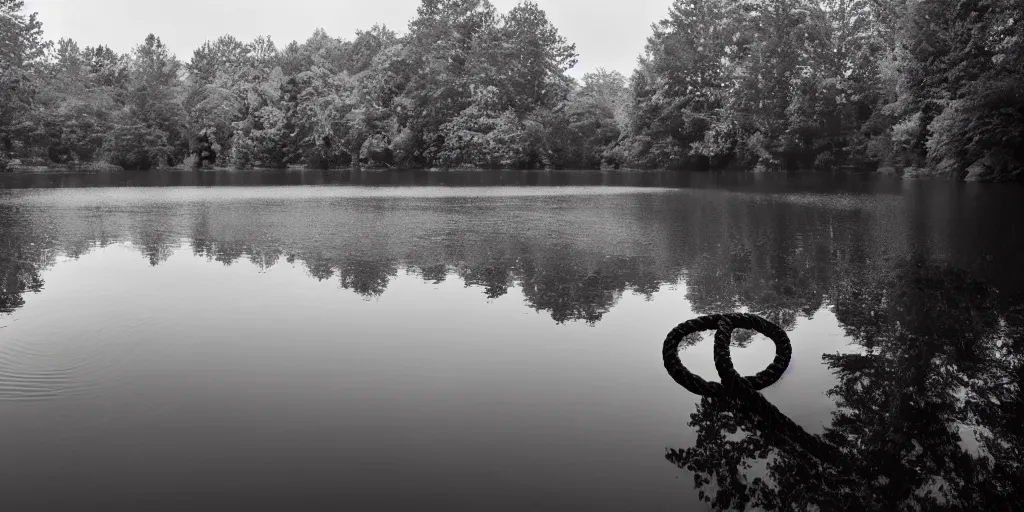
607 33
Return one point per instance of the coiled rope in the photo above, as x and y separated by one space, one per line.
744 391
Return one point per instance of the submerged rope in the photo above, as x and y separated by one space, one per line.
744 391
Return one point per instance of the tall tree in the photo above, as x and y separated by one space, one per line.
75 108
150 127
969 90
443 39
533 59
22 50
224 55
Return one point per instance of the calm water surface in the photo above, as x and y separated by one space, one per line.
491 341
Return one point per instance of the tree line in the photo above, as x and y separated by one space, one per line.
908 86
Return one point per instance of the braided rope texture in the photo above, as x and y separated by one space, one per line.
744 391
699 386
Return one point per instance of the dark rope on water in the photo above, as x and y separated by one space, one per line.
744 391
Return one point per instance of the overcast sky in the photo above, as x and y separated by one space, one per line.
607 34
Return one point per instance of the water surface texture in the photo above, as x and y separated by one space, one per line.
315 340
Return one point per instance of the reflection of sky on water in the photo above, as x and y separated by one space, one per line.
512 333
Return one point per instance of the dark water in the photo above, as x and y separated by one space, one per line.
492 341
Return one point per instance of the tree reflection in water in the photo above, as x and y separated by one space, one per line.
922 278
17 277
929 408
21 262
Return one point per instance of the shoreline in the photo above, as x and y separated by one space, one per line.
908 174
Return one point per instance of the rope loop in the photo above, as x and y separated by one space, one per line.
724 325
744 391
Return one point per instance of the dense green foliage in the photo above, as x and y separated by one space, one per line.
904 84
913 86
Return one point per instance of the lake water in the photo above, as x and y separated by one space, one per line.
307 340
